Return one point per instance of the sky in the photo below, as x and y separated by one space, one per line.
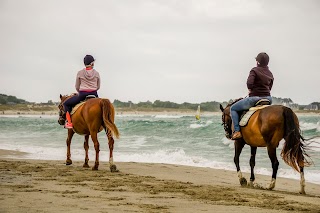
169 50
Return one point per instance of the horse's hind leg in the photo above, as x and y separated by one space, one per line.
86 148
238 145
302 181
69 138
275 165
94 137
113 167
252 164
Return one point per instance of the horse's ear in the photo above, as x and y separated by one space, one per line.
221 108
60 96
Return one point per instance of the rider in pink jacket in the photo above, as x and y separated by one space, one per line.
87 83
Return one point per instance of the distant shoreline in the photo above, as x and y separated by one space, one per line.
21 109
133 113
118 112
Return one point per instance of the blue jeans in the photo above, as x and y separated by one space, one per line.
244 104
71 102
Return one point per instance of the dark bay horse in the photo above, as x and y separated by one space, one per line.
266 128
90 118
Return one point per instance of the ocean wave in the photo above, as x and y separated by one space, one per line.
310 126
200 125
229 143
131 115
29 116
168 116
314 144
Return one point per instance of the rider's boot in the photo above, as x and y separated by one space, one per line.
236 135
68 124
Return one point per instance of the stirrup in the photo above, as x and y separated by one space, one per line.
68 126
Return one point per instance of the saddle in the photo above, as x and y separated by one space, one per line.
76 107
246 115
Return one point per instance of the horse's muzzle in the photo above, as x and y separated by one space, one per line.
61 121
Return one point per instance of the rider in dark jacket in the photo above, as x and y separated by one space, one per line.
259 84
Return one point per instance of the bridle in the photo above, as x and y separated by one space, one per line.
226 126
62 114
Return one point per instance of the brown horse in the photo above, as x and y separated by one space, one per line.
266 128
90 118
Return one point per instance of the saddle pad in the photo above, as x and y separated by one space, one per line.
246 117
74 109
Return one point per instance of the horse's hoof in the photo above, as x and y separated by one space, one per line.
85 165
113 168
243 181
68 162
95 168
251 184
272 184
302 192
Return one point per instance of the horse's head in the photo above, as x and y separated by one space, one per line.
226 118
62 114
226 121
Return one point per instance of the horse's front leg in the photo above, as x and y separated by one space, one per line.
69 138
275 165
113 167
86 148
252 164
94 137
238 145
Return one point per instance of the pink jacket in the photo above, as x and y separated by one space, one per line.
87 80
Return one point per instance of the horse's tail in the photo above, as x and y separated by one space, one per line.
294 150
108 114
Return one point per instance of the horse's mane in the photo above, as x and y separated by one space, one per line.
233 101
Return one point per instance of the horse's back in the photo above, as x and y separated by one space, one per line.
265 127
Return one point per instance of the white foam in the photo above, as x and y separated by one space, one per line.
228 142
200 125
130 115
29 116
177 156
310 126
315 144
168 116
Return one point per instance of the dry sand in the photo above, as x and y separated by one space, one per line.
51 186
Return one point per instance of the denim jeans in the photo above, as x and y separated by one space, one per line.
242 105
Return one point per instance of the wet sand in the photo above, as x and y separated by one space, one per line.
51 186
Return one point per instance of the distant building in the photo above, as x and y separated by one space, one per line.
291 105
311 107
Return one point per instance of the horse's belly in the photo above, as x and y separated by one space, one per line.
256 143
84 131
253 138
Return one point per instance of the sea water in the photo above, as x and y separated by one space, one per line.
172 139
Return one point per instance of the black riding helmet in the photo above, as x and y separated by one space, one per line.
88 59
263 59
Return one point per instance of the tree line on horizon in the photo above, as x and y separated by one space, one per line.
211 106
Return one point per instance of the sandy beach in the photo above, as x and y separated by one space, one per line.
51 186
